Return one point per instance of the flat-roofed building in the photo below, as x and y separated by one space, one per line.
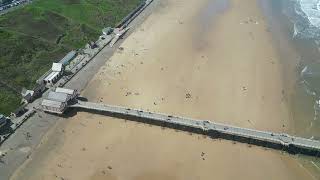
66 60
60 97
55 73
57 67
71 92
53 106
57 101
52 78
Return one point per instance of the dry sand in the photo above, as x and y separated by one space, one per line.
231 71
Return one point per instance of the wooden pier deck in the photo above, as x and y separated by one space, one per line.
273 140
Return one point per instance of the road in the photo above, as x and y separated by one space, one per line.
6 8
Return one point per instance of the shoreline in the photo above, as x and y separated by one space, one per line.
294 53
198 68
302 104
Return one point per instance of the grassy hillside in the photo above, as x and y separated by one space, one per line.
33 37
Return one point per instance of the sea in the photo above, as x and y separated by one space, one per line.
299 22
303 30
305 16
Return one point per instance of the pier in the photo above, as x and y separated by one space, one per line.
279 141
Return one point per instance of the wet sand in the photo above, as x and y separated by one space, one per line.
226 70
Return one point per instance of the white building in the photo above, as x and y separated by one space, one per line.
53 106
60 97
56 73
57 67
58 100
71 92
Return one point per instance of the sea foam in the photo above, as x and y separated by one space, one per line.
306 18
311 9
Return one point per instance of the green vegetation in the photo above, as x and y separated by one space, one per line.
9 99
33 37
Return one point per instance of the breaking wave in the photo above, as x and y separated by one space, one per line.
305 15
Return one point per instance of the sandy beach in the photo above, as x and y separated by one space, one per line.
202 59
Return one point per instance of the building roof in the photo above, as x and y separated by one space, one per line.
26 92
64 90
50 103
60 97
68 57
2 116
51 76
107 30
57 67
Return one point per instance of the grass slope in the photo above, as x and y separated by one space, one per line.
33 37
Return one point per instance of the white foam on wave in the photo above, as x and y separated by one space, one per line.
311 9
305 15
306 88
295 30
304 70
